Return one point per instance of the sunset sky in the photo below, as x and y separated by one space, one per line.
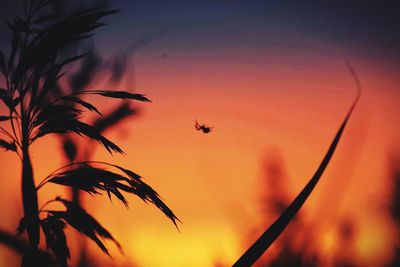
270 77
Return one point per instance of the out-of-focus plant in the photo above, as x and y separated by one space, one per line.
31 71
394 210
274 200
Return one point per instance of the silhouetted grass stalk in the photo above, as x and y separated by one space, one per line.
275 230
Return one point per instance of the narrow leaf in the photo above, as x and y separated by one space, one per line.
82 102
4 118
92 180
4 96
95 180
71 60
8 145
124 95
70 123
83 222
89 131
118 94
147 193
274 231
55 112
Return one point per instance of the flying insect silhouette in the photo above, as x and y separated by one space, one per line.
205 129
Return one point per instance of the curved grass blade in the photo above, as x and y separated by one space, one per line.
274 231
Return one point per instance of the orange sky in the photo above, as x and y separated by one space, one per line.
275 98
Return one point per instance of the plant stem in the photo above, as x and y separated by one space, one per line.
29 194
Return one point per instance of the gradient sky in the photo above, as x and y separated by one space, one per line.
270 77
369 28
364 26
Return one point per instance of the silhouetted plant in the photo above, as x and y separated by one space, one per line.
346 236
276 229
74 150
31 72
79 81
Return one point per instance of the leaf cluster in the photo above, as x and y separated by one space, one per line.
92 180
